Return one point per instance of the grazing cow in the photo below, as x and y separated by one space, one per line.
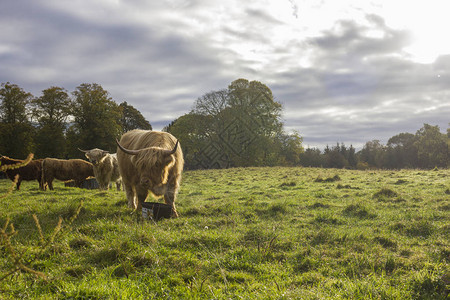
150 161
62 169
32 171
106 167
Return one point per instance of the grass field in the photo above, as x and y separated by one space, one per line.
253 233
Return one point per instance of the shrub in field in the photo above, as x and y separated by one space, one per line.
359 211
385 242
329 179
429 285
421 228
385 193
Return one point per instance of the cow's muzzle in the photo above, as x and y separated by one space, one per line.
145 181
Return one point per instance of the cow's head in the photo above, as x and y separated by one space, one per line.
152 164
95 156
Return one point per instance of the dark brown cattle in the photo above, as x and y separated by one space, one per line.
32 171
150 161
71 169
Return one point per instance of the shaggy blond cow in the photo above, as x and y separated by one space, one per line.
150 161
106 167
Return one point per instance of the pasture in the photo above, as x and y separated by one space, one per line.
245 233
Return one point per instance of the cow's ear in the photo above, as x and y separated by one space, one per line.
87 156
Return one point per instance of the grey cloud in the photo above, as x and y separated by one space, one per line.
358 86
374 91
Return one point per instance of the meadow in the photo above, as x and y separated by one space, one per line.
244 233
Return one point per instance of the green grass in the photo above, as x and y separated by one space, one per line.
267 233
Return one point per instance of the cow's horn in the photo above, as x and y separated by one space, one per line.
127 151
169 152
85 151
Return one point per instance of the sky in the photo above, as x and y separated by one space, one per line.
347 71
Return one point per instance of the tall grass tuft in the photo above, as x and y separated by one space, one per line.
22 259
358 211
385 193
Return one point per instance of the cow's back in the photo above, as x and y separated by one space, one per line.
31 171
66 169
140 139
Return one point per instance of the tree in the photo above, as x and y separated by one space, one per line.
240 126
212 103
253 102
336 157
16 131
291 149
191 130
402 151
432 147
131 118
253 123
96 120
351 157
312 157
51 111
373 153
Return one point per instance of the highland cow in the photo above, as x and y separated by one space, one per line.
106 167
72 169
32 171
150 161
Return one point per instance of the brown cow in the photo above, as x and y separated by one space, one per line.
150 161
61 169
32 171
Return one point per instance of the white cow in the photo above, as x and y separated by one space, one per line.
106 168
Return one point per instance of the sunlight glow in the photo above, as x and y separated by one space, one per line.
428 22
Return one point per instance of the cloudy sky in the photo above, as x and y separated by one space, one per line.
345 71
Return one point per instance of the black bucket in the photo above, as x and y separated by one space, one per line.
156 211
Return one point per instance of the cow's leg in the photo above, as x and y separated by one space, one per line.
118 184
50 184
41 185
142 193
106 184
19 181
130 196
170 196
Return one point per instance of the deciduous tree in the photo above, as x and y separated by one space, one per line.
16 131
432 147
131 118
51 111
96 120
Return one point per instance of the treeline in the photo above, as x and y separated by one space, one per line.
241 126
234 127
427 148
56 123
